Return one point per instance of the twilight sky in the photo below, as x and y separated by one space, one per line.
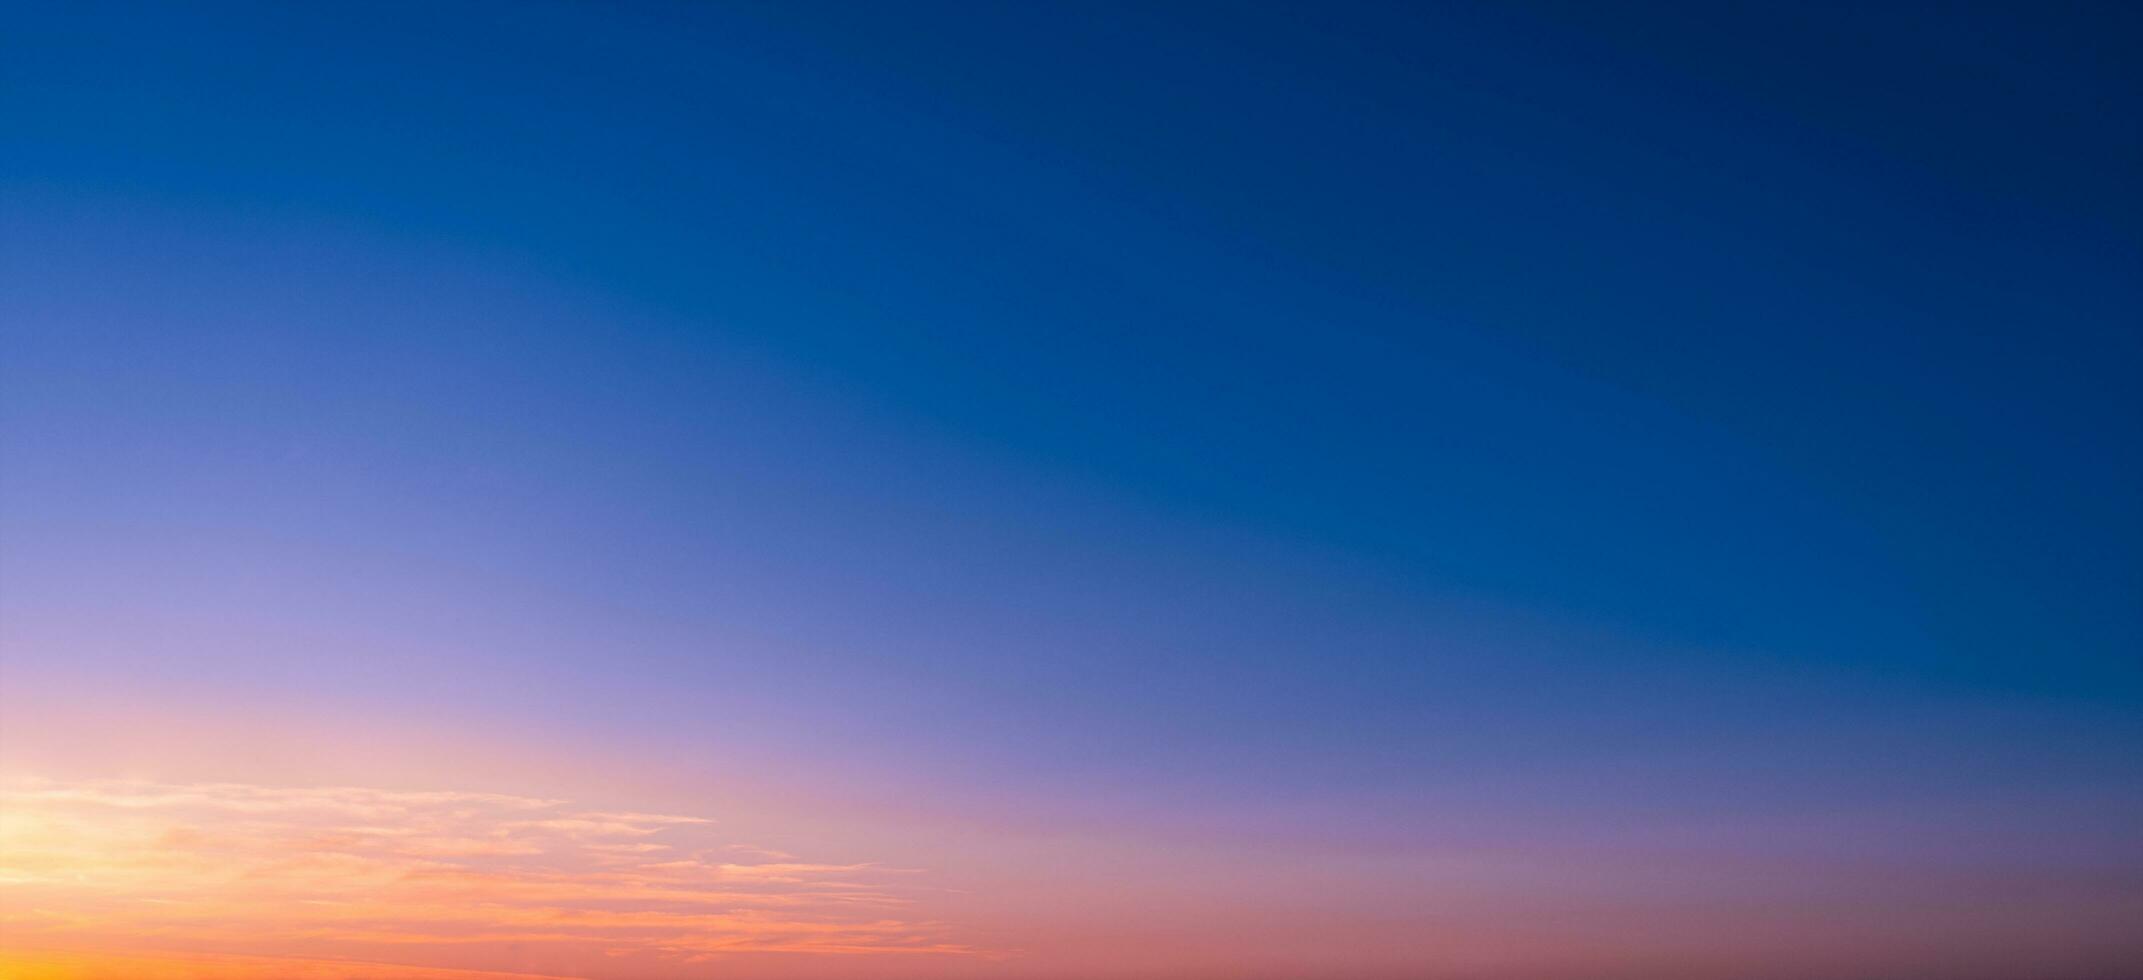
1049 490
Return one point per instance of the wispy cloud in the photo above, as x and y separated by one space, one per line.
242 870
100 965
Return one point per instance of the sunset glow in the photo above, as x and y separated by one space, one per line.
132 869
1071 490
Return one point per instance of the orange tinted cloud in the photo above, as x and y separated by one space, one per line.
63 965
226 872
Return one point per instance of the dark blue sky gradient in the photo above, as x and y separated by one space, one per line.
1535 405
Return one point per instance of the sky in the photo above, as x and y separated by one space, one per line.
1210 491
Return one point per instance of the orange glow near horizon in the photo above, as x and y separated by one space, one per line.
77 965
133 878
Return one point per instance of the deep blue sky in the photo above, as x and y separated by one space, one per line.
1533 405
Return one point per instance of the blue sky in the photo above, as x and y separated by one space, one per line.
1409 419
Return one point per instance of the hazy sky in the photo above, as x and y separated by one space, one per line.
1071 490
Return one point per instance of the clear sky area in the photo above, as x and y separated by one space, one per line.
1071 491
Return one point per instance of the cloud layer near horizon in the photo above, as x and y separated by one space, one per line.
430 879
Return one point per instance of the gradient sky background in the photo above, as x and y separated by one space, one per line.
1182 490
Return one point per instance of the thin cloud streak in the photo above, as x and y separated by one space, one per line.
346 872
